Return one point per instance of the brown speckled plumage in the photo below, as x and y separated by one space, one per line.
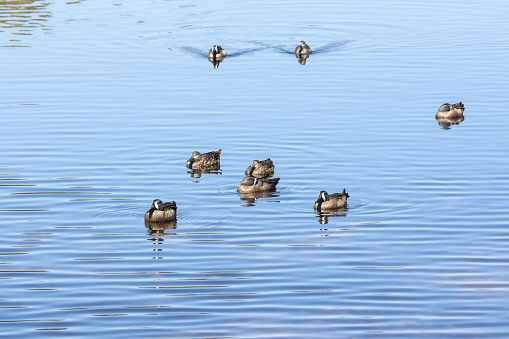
260 169
210 160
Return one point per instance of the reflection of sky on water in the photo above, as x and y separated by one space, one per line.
98 118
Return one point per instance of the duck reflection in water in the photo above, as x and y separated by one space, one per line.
301 58
323 217
158 228
252 198
156 231
446 123
215 62
196 173
449 115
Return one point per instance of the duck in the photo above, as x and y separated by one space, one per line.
260 169
210 160
303 48
327 202
449 111
216 52
161 212
254 185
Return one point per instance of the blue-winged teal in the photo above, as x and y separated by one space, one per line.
216 52
161 212
330 202
260 169
303 48
254 185
450 111
210 160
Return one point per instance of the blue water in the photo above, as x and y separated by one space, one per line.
102 103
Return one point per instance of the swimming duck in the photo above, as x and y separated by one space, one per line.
260 169
450 111
303 48
161 212
446 123
253 185
216 52
210 160
329 202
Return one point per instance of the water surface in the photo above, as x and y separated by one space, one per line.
103 102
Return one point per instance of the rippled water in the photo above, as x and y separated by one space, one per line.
102 104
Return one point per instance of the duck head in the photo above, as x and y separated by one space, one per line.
156 205
195 156
252 167
301 46
160 206
322 196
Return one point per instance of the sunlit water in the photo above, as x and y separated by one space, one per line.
102 103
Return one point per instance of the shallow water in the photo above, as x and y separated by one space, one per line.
102 104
